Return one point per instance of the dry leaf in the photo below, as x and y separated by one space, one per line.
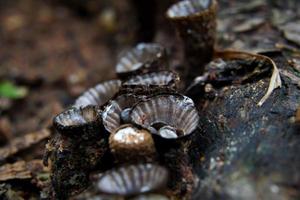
275 81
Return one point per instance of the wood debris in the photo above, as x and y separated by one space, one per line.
16 170
23 142
21 170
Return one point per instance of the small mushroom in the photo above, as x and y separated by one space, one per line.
170 116
173 121
195 21
133 180
145 57
82 123
129 144
79 146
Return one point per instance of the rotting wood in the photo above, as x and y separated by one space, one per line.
23 142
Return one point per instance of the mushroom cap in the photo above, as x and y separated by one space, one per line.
133 180
188 8
152 83
160 78
99 94
144 57
170 116
79 122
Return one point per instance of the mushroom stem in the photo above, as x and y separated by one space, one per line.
196 27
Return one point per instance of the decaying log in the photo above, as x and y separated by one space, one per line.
253 152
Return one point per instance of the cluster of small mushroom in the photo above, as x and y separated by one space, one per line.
142 115
136 130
